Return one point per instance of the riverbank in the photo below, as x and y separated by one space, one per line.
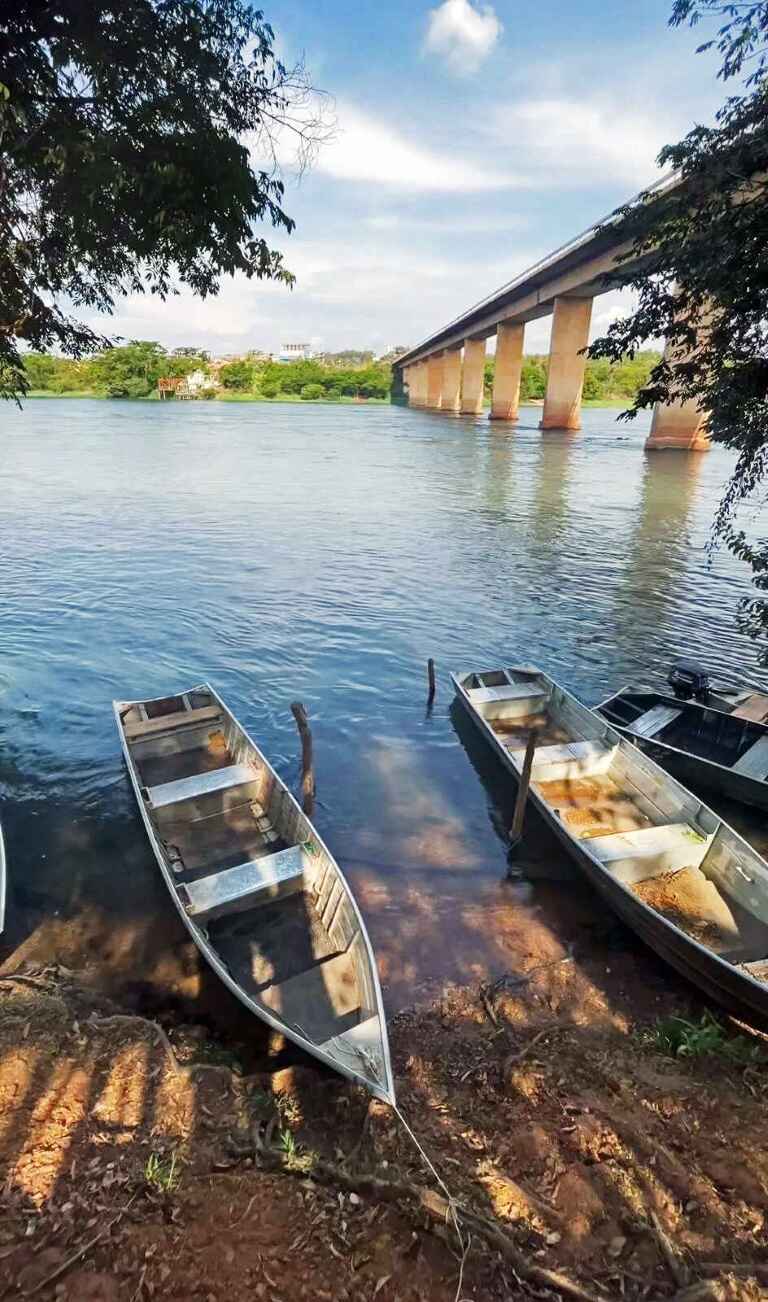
219 397
140 1161
607 404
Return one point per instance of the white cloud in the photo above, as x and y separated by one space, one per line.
459 222
563 142
351 294
371 151
462 34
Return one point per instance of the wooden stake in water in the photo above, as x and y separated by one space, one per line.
431 678
307 769
516 831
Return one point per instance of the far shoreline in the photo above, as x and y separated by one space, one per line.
34 394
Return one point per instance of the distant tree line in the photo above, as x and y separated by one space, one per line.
132 370
129 371
311 380
604 381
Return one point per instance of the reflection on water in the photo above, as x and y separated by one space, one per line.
659 544
324 554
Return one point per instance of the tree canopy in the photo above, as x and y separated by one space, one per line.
124 159
703 285
132 370
604 381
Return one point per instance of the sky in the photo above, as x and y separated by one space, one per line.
470 140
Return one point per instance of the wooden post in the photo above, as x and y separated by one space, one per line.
307 770
516 832
431 678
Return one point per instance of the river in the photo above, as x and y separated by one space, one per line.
323 553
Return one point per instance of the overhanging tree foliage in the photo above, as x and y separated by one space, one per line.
704 280
124 158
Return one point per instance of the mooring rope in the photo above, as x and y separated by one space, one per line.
452 1204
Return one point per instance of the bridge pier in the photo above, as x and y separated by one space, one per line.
505 400
435 381
473 377
450 389
677 425
565 378
416 379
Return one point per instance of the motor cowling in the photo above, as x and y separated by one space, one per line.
689 680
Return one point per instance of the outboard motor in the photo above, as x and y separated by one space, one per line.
689 680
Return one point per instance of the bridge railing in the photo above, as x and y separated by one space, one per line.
659 187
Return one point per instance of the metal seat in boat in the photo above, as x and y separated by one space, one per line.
140 728
200 784
571 759
649 851
235 889
507 692
652 722
754 762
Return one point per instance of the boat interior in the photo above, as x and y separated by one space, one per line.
643 828
725 739
251 875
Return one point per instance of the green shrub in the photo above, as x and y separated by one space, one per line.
333 395
269 388
311 392
678 1038
128 387
238 376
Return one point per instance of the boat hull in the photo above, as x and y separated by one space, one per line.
383 1089
692 770
732 988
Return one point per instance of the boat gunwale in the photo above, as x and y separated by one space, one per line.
211 955
598 870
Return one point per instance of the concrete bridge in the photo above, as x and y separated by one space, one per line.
446 371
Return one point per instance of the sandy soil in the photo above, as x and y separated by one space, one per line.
539 1100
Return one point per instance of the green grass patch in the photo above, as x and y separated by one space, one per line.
676 1037
160 1173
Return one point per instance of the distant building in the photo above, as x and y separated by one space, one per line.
295 353
198 380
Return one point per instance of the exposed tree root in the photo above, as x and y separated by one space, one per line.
676 1266
438 1212
133 1019
758 1269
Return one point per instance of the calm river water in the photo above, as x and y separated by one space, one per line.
322 554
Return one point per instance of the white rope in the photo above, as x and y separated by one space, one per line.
464 1246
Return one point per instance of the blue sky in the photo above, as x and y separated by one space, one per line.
471 139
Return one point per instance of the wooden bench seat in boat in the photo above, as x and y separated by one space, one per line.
571 759
754 762
754 709
234 889
649 851
652 722
151 727
200 784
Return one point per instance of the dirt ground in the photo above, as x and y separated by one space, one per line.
139 1164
